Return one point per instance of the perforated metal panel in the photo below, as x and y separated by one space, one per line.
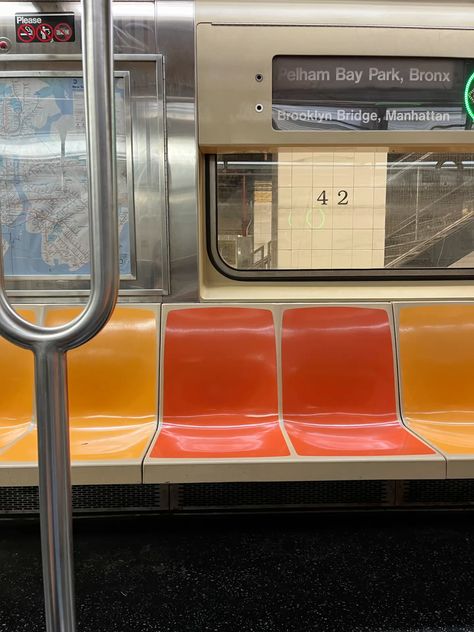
219 496
444 493
90 498
222 497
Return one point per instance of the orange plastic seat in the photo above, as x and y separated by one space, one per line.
112 393
437 371
220 396
16 390
339 384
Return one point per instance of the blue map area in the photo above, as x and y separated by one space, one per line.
43 177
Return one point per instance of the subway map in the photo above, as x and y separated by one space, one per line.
43 177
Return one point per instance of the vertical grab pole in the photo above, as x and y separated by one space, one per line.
50 344
55 488
50 359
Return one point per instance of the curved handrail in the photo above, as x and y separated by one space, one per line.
103 230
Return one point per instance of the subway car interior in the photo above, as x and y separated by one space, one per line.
295 209
285 321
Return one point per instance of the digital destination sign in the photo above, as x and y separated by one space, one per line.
372 93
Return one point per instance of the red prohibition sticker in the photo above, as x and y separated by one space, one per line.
42 28
63 32
26 33
44 32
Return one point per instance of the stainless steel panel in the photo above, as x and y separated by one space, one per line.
150 178
175 33
437 14
134 27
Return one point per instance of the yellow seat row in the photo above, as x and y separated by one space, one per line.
112 399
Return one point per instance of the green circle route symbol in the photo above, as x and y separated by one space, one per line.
469 96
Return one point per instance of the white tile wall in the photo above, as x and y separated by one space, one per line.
346 232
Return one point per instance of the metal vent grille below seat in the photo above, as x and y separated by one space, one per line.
444 492
286 494
89 498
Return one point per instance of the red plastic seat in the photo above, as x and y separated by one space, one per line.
220 395
339 385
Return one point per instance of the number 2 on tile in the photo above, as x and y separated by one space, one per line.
342 197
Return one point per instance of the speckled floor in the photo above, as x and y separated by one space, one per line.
377 573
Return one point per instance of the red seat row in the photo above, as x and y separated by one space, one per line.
231 389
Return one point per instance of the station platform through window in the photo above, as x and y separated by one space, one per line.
297 209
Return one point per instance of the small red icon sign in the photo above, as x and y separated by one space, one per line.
26 33
63 32
43 28
44 32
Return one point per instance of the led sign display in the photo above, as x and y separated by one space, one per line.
372 93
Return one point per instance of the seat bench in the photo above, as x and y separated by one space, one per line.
255 393
281 393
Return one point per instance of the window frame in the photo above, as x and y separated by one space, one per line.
279 275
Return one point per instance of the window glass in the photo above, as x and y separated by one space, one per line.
340 209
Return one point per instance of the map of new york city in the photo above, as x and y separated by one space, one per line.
43 177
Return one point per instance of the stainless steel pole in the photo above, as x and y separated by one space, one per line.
50 345
55 488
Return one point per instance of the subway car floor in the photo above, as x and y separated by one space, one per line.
354 572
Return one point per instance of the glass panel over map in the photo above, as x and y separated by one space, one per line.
43 176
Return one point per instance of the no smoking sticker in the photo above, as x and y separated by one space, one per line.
25 33
42 28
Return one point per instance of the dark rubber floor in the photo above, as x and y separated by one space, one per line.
377 573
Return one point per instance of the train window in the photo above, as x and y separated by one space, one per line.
345 210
